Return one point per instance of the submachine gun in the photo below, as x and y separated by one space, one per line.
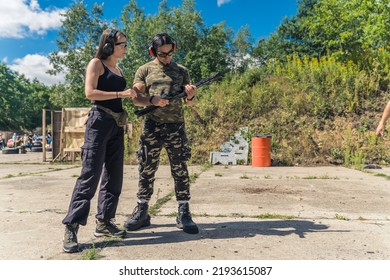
178 92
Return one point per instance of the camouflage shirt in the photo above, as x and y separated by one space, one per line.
159 79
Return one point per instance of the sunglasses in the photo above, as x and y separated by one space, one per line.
165 54
123 44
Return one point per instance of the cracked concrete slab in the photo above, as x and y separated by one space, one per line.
243 212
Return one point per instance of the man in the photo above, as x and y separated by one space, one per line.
163 127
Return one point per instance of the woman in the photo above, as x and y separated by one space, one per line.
103 148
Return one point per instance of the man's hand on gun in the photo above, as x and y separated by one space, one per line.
190 91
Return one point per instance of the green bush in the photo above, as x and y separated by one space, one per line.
318 112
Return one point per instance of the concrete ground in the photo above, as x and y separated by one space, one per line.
243 212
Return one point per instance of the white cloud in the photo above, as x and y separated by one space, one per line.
221 2
21 18
35 66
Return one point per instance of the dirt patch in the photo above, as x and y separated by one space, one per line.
270 189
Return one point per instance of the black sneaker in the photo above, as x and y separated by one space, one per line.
70 244
139 218
108 228
184 220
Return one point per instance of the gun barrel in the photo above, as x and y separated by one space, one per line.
146 110
207 80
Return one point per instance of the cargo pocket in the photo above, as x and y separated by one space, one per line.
99 128
89 157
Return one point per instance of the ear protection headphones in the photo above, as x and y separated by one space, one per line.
160 36
108 48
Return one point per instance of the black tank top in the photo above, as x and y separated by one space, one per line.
109 81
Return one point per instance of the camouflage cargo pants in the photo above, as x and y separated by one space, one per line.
172 137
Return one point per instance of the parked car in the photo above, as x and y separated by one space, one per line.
10 143
37 144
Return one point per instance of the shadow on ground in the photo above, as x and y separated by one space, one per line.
228 230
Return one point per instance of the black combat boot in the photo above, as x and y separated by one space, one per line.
184 220
139 218
108 228
70 244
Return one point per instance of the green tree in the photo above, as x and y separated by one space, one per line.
211 52
355 30
8 101
78 37
243 49
290 37
21 101
135 27
351 29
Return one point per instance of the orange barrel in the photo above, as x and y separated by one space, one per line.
261 150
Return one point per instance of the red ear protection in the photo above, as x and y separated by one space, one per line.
151 52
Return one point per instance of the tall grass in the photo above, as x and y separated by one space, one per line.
318 112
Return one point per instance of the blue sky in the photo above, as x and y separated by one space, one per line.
28 28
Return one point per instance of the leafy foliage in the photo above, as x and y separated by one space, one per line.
78 38
349 30
21 101
308 105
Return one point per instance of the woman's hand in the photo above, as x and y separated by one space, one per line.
129 93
